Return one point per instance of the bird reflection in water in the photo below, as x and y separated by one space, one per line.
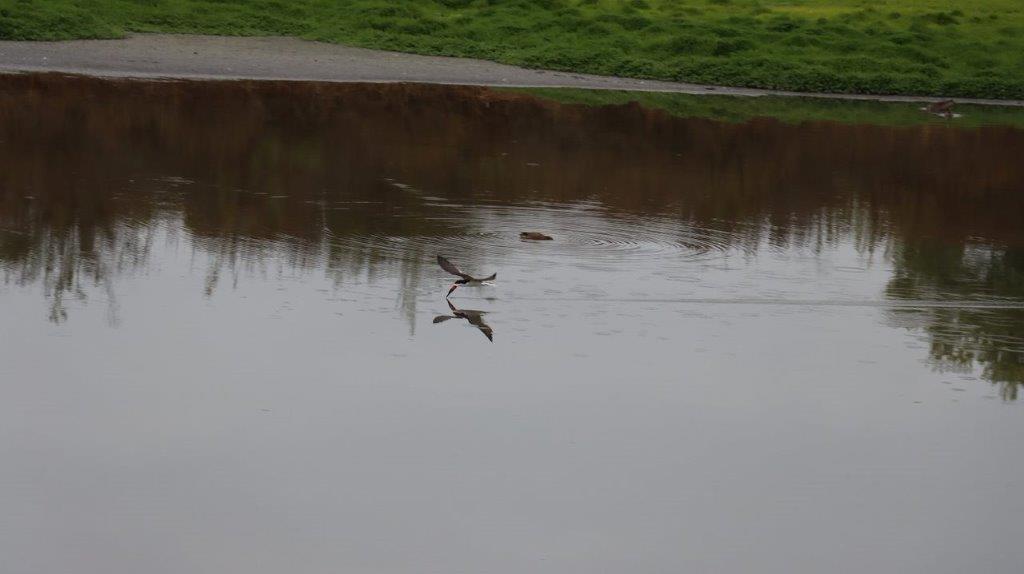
475 318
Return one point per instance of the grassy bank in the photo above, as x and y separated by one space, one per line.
738 109
938 47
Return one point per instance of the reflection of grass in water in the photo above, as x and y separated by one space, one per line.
786 109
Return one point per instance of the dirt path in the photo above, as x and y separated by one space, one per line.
188 56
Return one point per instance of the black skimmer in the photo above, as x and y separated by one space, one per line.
535 236
464 278
475 319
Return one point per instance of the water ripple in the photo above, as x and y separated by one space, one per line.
584 235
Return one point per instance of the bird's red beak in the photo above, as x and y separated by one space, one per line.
454 287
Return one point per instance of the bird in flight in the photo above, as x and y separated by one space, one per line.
463 278
475 318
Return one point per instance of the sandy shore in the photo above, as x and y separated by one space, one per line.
206 57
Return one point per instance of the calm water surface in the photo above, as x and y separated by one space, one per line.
751 347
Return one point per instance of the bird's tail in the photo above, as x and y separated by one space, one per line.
491 278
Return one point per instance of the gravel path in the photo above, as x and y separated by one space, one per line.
220 57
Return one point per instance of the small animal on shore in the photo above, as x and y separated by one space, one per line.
463 278
943 108
475 318
534 236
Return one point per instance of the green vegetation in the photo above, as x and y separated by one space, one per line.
946 47
786 109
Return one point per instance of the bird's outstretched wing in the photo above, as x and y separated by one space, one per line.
451 267
486 330
476 319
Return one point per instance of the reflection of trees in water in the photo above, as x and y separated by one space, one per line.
69 248
312 177
964 338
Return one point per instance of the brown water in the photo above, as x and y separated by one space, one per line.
750 347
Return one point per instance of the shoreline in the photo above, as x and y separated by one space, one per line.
198 57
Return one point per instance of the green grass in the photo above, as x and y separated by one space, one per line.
738 109
937 47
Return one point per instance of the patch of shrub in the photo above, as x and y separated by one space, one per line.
688 44
940 18
727 47
783 24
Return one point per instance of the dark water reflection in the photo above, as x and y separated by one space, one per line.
225 333
373 180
